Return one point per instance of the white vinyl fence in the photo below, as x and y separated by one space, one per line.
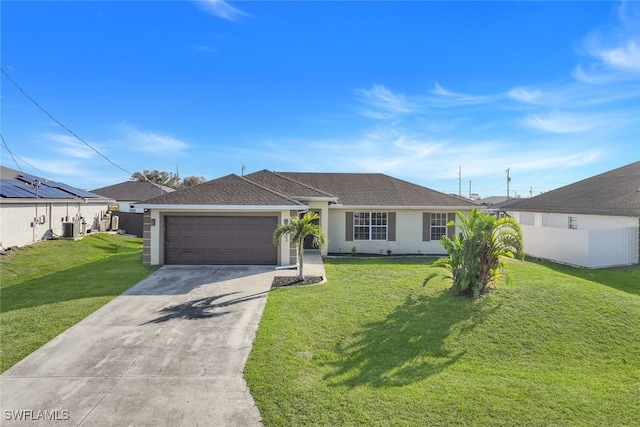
585 248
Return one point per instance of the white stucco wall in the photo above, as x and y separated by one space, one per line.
598 241
23 223
408 234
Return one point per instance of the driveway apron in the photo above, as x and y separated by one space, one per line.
168 352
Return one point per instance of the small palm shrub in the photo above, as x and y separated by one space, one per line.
476 253
298 229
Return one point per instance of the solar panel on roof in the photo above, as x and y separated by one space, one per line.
69 189
29 178
60 190
13 188
53 193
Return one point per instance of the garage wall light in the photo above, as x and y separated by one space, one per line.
153 222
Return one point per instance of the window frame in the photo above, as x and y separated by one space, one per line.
372 224
437 225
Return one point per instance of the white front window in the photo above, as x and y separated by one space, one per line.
438 225
369 226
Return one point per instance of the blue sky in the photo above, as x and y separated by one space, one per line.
416 90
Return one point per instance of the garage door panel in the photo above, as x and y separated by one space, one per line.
220 240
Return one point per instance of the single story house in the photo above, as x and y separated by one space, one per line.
230 220
592 223
34 209
127 194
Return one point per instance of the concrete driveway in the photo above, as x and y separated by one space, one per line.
168 352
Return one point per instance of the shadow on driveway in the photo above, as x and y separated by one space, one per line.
202 308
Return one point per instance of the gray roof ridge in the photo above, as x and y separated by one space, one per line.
555 200
301 183
164 187
606 174
266 188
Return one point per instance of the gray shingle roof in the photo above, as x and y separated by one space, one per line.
266 188
230 190
287 186
134 191
616 192
374 189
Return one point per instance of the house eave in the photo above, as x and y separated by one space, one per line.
315 199
264 208
416 208
32 200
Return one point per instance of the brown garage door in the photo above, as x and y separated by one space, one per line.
220 240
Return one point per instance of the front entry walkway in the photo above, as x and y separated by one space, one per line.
168 352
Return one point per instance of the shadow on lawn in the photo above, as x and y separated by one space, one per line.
626 279
411 343
109 276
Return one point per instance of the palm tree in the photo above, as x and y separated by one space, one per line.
297 229
475 254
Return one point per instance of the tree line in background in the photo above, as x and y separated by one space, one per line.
168 179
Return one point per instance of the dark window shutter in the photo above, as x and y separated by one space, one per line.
348 235
426 226
451 231
391 226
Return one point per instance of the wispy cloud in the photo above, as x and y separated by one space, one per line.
448 97
419 158
70 146
381 103
560 159
625 57
570 123
221 9
59 169
525 95
613 53
152 142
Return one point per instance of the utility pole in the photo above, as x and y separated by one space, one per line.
508 181
469 189
243 168
459 180
530 191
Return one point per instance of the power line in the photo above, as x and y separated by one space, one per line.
43 175
10 153
60 123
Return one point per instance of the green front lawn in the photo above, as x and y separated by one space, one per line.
556 346
47 287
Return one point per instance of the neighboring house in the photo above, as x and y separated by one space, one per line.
591 223
231 220
493 200
127 193
33 209
500 208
